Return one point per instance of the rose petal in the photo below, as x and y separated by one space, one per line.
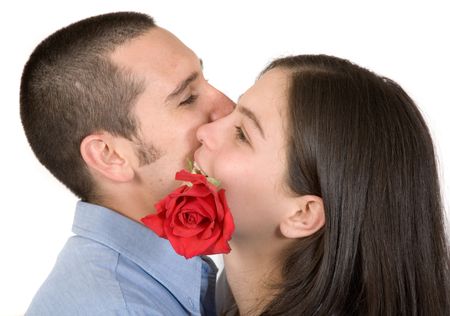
176 193
189 218
197 190
174 205
194 246
228 226
220 246
173 218
207 233
184 175
155 223
205 206
218 200
196 205
160 207
182 231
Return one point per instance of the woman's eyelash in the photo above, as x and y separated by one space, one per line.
189 100
240 134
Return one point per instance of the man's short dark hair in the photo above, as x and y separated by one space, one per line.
70 88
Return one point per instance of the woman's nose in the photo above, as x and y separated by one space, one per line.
203 134
212 134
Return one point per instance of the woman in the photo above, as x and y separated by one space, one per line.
331 176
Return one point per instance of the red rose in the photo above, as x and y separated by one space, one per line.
195 219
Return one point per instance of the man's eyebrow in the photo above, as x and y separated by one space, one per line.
247 112
180 88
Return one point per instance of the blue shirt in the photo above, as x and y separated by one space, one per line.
116 266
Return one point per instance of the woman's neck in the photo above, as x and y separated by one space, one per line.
251 274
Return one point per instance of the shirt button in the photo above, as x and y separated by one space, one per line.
191 302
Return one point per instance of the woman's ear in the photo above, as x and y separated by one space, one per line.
306 219
106 155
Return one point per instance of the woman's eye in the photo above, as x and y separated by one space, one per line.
240 136
189 100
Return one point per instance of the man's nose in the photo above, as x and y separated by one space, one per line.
221 106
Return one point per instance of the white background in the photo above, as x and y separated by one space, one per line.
404 40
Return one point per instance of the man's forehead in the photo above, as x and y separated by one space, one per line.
161 60
156 47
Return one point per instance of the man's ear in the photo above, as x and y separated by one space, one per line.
107 155
306 219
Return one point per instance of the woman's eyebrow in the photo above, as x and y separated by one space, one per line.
247 112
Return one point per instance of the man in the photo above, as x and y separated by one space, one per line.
110 106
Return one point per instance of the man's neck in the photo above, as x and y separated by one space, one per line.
129 203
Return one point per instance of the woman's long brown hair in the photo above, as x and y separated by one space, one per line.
357 140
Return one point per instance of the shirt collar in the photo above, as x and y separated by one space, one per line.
141 245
